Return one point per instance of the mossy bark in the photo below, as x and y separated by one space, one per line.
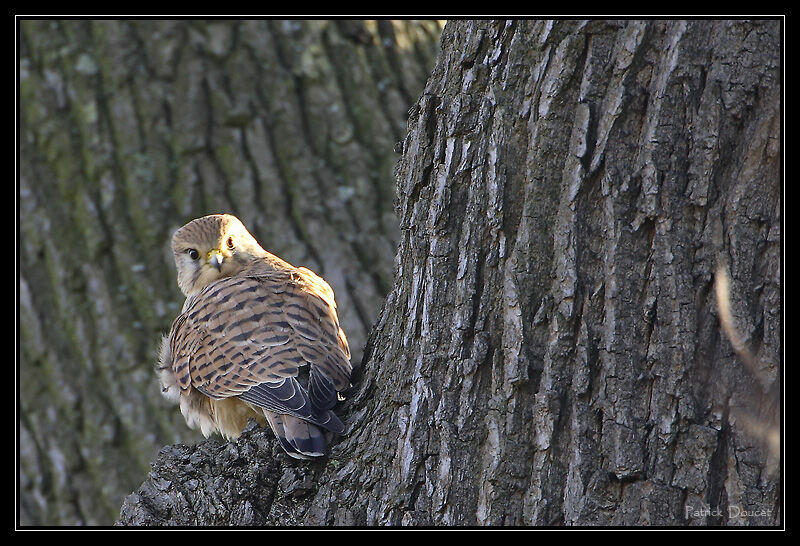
130 128
552 350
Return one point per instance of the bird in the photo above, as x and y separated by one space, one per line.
256 337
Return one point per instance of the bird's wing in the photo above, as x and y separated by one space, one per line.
249 336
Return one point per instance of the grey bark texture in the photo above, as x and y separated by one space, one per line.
128 129
552 351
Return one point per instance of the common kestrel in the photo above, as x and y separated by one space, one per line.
257 337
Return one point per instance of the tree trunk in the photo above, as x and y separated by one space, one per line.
128 129
554 349
551 353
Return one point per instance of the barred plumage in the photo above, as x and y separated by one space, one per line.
257 337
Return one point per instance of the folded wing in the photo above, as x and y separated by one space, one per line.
270 338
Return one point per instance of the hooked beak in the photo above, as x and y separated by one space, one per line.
215 259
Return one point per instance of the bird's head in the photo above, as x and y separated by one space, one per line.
210 248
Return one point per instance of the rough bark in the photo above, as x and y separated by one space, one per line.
130 128
551 351
568 190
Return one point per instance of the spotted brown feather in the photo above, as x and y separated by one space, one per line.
256 330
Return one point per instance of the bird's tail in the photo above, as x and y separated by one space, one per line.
300 439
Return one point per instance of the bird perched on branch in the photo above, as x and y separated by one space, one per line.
257 337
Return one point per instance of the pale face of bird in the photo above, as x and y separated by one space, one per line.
210 248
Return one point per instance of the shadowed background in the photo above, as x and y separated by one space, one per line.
128 129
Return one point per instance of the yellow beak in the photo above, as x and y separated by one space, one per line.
215 259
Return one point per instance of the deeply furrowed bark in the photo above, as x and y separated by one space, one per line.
552 350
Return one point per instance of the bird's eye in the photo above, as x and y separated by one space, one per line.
229 242
193 254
